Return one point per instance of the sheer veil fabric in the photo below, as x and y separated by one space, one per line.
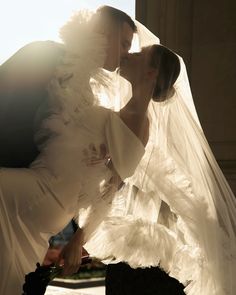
177 210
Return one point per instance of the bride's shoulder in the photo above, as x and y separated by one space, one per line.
96 114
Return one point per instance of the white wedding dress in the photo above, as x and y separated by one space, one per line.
175 211
38 202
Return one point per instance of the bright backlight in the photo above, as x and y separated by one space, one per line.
24 21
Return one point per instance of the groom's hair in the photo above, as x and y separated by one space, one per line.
117 16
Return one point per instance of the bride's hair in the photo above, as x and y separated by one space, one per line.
168 65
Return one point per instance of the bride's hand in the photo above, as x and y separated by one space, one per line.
71 254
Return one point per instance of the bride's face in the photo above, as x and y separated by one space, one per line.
136 66
119 43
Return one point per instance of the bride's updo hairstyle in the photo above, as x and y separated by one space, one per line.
168 65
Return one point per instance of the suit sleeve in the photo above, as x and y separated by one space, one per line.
23 88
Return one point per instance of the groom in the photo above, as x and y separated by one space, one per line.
23 86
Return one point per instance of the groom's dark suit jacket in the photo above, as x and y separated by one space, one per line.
23 90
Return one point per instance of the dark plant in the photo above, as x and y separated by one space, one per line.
36 282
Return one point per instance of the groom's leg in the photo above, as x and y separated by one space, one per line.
121 279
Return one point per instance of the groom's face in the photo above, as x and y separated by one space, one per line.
119 43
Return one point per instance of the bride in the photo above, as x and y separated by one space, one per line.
177 211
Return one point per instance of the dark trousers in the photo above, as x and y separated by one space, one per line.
121 279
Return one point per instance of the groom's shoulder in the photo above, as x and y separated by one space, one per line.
36 53
33 64
40 48
23 80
